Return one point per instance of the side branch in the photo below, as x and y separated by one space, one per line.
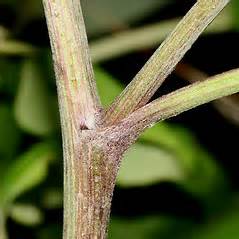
162 63
75 79
182 100
227 106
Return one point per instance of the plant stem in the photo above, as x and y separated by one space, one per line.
184 99
226 106
74 71
89 169
161 64
89 184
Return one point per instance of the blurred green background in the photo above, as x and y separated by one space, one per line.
179 180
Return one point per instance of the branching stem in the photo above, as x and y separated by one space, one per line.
85 206
162 63
184 99
93 147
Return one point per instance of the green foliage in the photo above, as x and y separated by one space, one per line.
105 82
9 76
147 164
201 173
222 228
52 198
50 232
27 215
9 144
117 14
101 17
235 12
34 104
26 172
149 227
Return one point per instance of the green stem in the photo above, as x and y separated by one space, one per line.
73 67
89 171
184 99
89 185
227 106
163 61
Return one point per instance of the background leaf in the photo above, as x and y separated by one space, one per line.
203 176
149 227
3 33
34 109
235 12
105 82
26 172
100 16
146 164
9 76
221 225
107 15
52 198
10 135
25 214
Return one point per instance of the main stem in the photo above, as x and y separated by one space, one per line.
90 166
90 173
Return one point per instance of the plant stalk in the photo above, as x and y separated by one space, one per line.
161 64
89 185
183 100
73 67
89 169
